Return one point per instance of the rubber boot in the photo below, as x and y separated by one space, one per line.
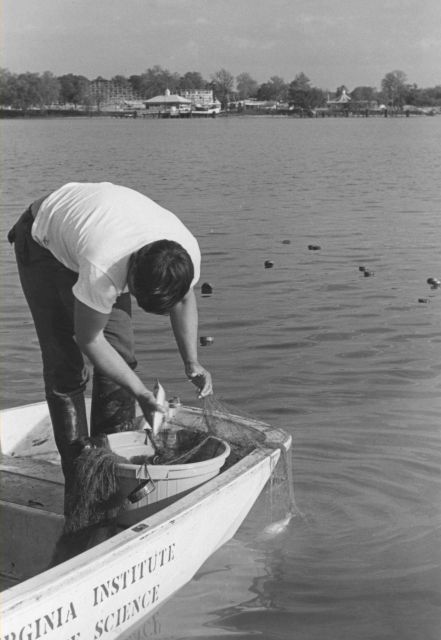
69 421
113 408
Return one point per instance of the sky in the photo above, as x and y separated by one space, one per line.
334 42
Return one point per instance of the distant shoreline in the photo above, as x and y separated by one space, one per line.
48 113
80 113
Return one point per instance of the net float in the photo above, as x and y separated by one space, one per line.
206 289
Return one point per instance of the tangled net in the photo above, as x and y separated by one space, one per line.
229 424
95 497
95 493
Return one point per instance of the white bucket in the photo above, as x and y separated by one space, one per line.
170 480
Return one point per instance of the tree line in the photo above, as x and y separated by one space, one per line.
27 90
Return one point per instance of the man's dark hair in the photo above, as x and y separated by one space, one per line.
160 274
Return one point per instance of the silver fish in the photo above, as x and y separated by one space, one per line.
274 529
156 417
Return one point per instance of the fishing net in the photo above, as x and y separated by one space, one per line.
218 420
235 427
94 497
188 437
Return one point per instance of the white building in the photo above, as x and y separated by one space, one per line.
201 98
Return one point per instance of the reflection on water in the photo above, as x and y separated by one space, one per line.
349 365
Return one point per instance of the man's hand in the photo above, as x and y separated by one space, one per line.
184 321
201 378
148 404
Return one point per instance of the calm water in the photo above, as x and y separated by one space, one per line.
350 365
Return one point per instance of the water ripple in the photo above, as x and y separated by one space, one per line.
349 365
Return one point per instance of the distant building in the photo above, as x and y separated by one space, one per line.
201 98
108 95
254 105
168 104
341 103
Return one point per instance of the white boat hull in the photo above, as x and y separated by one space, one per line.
105 591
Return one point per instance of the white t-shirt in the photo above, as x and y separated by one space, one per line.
93 228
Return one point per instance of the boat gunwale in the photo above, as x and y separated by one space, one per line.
273 436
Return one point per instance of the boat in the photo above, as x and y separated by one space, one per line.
205 111
109 588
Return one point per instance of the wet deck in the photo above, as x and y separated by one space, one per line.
32 497
32 483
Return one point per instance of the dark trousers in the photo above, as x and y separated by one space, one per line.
47 285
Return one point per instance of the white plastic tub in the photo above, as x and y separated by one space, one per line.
170 480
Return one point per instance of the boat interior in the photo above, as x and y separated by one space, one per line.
32 491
